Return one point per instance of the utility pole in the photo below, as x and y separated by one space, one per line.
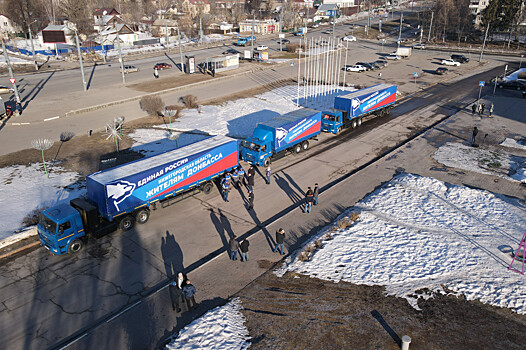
201 30
368 16
400 33
166 32
252 38
32 45
80 60
6 56
430 26
120 53
180 48
484 43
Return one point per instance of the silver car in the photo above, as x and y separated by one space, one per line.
130 69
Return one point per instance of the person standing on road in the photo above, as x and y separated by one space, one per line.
474 135
491 110
309 198
380 75
250 177
234 247
316 192
176 295
181 280
241 175
474 109
189 294
156 73
235 179
244 249
268 173
280 238
482 108
225 186
250 199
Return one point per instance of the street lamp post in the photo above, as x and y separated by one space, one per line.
32 45
6 56
80 61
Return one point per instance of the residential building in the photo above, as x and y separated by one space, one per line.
303 4
328 11
221 28
126 35
104 16
194 7
265 26
6 26
476 7
342 3
164 26
68 33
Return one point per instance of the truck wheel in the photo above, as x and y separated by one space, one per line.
207 187
267 162
305 145
142 216
126 223
75 246
359 121
353 124
339 130
297 148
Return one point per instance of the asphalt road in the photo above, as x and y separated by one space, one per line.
116 283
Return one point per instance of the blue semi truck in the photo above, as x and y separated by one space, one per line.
243 41
122 196
349 110
276 137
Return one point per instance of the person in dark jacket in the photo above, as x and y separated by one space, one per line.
250 199
225 187
175 296
473 108
280 238
309 198
234 247
250 177
474 135
316 192
189 294
268 173
235 179
244 249
241 176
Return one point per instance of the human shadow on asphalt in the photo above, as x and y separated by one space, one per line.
285 187
91 76
186 317
219 220
35 91
268 236
172 255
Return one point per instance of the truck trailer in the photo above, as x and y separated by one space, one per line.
122 196
274 138
403 51
246 40
349 110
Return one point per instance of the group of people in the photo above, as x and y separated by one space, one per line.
238 178
480 108
182 291
242 247
311 198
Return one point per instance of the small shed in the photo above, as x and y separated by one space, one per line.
222 63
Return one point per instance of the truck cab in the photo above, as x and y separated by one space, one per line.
58 227
257 149
333 120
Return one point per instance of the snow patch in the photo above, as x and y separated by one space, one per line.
220 328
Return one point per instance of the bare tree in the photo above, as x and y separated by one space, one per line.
78 13
23 12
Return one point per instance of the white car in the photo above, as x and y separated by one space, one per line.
450 62
349 38
393 56
262 47
356 68
315 25
419 46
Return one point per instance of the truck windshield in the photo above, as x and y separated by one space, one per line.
251 145
47 224
329 117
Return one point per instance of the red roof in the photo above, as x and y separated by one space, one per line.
108 10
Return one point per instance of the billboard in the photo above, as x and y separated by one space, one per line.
53 37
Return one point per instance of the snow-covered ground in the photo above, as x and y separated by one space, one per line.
220 328
480 160
511 143
32 190
416 232
14 60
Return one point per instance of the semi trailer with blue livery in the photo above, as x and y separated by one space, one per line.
274 138
122 196
350 109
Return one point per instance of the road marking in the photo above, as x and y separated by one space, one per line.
76 340
20 124
123 311
47 119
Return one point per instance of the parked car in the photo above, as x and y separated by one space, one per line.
460 58
349 38
382 63
450 62
356 68
130 69
441 70
322 43
262 47
393 56
162 65
419 46
6 90
315 25
230 52
376 65
512 84
284 41
367 66
524 94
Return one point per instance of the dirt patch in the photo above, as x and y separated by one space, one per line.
169 82
298 312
